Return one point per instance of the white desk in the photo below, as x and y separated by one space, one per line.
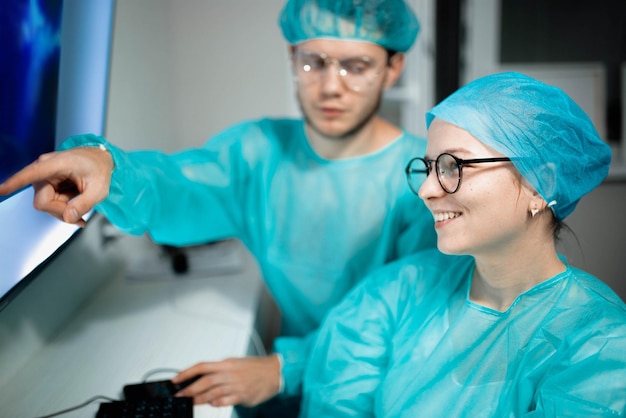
132 327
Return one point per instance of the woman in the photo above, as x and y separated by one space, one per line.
499 325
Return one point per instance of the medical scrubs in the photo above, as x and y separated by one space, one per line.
408 342
316 226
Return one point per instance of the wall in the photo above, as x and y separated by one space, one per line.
183 70
598 244
140 102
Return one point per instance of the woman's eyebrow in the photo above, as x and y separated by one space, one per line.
453 151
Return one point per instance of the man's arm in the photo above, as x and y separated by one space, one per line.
185 198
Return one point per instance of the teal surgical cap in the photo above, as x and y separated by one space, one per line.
388 23
550 139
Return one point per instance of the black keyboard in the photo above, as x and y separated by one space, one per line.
148 408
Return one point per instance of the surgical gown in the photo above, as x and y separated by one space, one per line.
315 226
408 342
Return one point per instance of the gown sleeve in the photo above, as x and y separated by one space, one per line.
190 197
351 354
588 380
294 353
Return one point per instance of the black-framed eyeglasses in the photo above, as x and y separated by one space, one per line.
357 72
448 167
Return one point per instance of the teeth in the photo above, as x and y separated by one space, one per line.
442 216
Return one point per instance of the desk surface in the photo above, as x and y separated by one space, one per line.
133 327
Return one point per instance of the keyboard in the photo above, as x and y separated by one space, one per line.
148 408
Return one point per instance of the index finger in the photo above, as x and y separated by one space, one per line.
32 173
196 370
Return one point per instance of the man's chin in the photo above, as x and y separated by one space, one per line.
331 130
338 134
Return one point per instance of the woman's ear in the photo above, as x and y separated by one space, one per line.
534 200
394 69
536 203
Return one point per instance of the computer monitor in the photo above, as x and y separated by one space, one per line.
54 68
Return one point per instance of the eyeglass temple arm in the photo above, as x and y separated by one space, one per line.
484 160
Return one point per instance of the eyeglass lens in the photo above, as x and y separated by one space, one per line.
356 72
448 172
447 169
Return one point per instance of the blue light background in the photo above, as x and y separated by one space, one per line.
29 75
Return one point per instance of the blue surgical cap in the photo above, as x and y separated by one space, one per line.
388 23
550 139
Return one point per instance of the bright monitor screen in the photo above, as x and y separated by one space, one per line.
54 65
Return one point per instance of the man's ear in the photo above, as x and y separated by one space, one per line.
394 69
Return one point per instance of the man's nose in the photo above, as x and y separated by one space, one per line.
331 78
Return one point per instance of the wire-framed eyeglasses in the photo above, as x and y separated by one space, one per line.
357 73
449 170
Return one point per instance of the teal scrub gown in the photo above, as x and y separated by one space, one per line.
315 226
408 342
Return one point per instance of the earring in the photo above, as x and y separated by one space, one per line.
534 211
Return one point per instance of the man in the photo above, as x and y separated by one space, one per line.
320 202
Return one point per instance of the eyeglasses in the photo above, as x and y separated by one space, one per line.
357 73
448 167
